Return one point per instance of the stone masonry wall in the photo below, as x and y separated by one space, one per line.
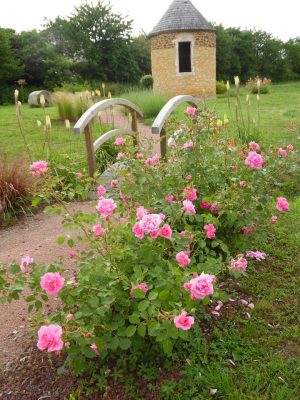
165 64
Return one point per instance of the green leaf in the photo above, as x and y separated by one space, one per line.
114 344
167 346
35 202
94 302
89 353
124 343
71 243
153 328
143 305
30 298
130 330
14 269
153 295
60 240
164 294
141 330
139 294
134 319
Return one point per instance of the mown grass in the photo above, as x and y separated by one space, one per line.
147 101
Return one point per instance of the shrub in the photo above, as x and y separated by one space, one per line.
159 247
72 106
221 87
146 82
258 85
149 103
16 188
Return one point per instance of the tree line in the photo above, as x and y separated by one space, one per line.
96 45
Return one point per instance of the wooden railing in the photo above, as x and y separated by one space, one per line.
84 124
166 111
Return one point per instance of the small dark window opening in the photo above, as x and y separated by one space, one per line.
184 54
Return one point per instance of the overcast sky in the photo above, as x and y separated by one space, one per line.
281 18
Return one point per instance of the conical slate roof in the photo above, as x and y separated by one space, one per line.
181 15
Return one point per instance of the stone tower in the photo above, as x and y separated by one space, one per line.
183 52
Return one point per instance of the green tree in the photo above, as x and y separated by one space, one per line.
10 68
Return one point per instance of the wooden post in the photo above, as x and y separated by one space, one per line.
163 143
90 149
134 127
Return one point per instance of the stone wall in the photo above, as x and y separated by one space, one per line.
164 58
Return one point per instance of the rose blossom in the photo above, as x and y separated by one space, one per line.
138 231
98 230
152 160
189 177
282 204
210 231
114 183
243 183
38 168
190 194
49 338
188 207
290 147
274 218
106 207
140 212
239 264
150 222
139 156
79 175
25 261
282 152
234 168
120 155
254 160
205 205
143 286
183 259
169 199
191 111
52 283
183 321
201 286
188 145
94 347
254 146
257 255
69 317
101 191
72 253
120 141
166 231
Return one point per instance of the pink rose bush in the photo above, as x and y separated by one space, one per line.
106 207
254 160
25 262
120 141
239 264
188 207
282 204
210 231
98 230
183 259
201 286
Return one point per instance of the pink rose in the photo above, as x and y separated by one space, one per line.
205 205
239 264
169 199
79 175
183 321
101 191
210 231
234 168
150 223
25 261
69 317
190 194
154 234
49 338
98 230
138 231
290 147
257 255
120 155
52 283
142 286
183 233
282 204
274 218
254 160
139 156
183 259
189 177
282 152
188 207
214 208
106 207
166 231
120 141
188 145
72 253
113 183
153 160
254 146
201 286
191 111
243 183
38 168
140 212
241 154
94 347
